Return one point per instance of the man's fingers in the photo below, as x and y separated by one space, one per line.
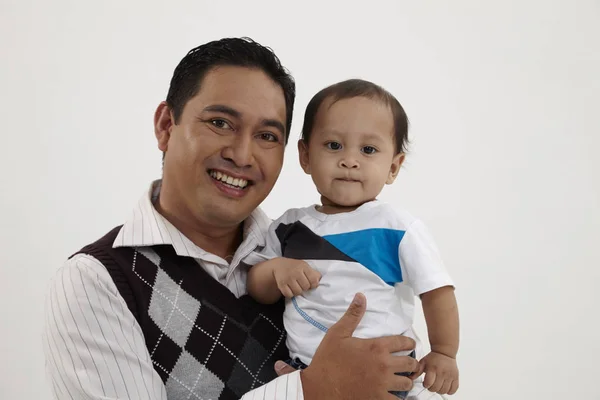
351 318
282 368
395 343
400 383
404 364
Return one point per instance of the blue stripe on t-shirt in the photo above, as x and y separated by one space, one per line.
376 249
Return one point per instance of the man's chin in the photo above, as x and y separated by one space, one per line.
233 209
228 214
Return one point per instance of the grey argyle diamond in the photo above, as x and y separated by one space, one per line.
172 309
190 379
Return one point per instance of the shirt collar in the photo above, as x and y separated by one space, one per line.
147 227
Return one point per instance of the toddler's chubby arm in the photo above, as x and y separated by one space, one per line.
269 280
441 316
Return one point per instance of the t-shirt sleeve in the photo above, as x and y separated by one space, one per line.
422 266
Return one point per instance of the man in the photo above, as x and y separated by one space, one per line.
157 308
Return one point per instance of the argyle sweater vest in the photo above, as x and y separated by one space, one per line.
203 341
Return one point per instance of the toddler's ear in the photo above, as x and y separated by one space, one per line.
303 156
395 168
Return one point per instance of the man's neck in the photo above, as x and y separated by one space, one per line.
220 241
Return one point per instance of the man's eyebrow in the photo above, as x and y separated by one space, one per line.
223 109
273 123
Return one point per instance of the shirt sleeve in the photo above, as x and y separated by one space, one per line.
272 248
286 387
420 261
93 345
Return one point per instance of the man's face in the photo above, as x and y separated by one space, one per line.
225 154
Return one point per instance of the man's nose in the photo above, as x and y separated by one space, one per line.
239 151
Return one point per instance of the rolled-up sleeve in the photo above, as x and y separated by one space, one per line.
286 387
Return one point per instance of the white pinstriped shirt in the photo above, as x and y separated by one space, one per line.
95 348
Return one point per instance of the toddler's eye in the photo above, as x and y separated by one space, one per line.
369 150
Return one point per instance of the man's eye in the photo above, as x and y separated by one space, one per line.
220 123
269 137
333 146
369 150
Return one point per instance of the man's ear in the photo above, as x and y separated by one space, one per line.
395 168
303 155
163 123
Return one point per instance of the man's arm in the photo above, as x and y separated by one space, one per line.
93 345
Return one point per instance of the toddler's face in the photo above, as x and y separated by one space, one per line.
351 152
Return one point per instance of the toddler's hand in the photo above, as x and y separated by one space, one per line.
441 373
295 276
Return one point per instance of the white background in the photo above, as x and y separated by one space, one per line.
503 99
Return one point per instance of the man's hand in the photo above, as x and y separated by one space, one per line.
294 277
348 368
441 373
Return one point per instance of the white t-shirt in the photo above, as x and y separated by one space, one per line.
378 250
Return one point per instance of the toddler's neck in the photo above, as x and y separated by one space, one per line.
328 207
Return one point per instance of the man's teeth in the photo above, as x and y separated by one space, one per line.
241 183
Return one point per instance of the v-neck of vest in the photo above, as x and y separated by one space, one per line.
195 281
